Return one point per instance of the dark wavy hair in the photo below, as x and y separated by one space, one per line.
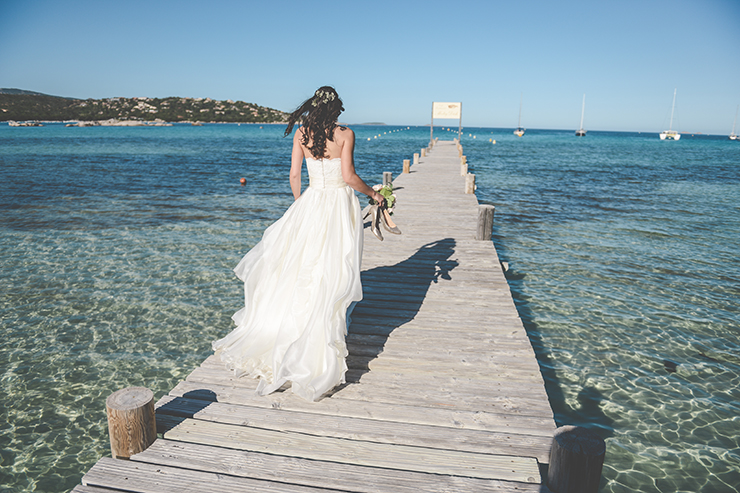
318 114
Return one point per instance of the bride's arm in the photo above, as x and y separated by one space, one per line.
296 162
348 166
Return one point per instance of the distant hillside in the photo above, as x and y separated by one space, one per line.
7 90
20 105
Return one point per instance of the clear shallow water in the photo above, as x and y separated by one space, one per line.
624 260
117 244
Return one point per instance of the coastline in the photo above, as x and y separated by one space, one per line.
126 123
478 130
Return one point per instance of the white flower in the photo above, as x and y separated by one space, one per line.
322 97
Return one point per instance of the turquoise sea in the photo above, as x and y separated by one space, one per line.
117 244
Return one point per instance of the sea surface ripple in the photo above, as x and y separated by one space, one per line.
117 244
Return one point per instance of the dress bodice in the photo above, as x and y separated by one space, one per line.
325 173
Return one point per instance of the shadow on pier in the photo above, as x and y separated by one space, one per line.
392 296
179 409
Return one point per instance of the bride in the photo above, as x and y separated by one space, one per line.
302 279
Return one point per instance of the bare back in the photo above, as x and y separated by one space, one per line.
342 147
333 147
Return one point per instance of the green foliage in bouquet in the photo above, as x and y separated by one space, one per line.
387 192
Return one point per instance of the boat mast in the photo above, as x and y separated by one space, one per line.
583 108
520 111
733 123
673 107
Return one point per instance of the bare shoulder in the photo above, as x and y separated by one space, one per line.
343 134
300 131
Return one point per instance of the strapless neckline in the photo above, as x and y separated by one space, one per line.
323 159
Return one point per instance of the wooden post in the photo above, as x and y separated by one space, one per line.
470 183
388 176
576 459
463 168
131 423
460 151
459 123
406 166
485 222
423 152
431 127
416 158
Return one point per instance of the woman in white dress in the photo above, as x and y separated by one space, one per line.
302 279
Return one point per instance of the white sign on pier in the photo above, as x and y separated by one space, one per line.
449 111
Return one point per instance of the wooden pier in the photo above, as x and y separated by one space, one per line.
443 393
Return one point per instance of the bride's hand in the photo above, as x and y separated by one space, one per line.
379 199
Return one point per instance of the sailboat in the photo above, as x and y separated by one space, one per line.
581 132
519 130
732 135
671 134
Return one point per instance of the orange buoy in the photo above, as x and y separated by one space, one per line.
243 181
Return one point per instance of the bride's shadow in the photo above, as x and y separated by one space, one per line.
392 296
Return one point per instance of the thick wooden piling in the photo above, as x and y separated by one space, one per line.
470 183
576 460
485 222
131 423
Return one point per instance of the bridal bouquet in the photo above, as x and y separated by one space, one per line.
387 192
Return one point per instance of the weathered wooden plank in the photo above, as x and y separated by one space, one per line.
442 290
492 375
140 477
370 430
390 366
463 341
482 323
445 320
360 479
495 300
481 308
490 304
80 488
449 398
456 418
446 399
410 356
381 455
398 314
459 388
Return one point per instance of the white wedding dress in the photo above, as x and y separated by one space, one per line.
301 282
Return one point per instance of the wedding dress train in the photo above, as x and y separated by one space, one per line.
301 282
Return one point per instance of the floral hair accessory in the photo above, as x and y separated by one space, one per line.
322 97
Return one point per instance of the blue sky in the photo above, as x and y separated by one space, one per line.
390 59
